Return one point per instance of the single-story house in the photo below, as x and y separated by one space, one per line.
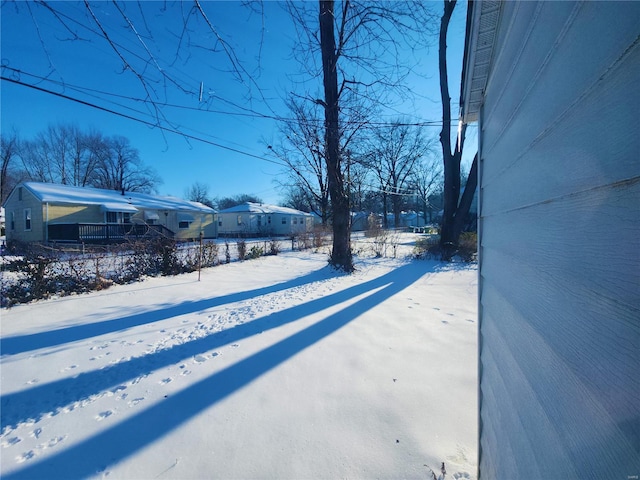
257 219
554 87
46 212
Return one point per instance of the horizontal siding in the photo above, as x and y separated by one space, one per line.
552 78
202 223
556 425
560 244
575 155
17 206
75 214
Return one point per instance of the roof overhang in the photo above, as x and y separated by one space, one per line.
117 207
151 215
482 23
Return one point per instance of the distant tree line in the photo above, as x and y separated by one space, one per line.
65 154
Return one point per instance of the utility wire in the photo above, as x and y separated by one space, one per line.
248 112
139 120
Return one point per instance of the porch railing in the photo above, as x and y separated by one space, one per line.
105 232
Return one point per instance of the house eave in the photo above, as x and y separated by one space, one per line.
482 23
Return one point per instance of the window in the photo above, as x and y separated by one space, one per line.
112 217
220 222
183 224
284 220
295 220
239 219
27 219
126 217
269 219
13 220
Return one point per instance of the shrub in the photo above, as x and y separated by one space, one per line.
468 246
227 252
210 254
255 252
274 247
241 245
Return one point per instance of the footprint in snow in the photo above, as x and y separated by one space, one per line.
51 443
164 381
70 367
135 401
199 359
102 415
36 433
10 442
26 456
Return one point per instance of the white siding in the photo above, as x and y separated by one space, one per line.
560 244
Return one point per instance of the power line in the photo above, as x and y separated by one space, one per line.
250 113
144 122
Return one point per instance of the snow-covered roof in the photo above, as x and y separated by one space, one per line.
110 199
250 207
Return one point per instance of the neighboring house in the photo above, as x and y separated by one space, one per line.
256 219
555 88
46 212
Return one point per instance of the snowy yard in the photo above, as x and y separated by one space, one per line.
275 368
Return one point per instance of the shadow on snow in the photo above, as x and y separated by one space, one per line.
35 341
127 437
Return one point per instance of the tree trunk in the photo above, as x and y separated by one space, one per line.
341 254
455 209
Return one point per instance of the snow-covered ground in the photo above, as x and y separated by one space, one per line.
276 368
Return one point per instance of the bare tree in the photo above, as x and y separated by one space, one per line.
121 169
394 156
359 47
426 180
199 192
301 149
9 150
456 207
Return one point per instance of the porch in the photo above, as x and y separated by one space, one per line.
105 232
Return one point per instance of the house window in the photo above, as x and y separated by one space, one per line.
269 219
183 224
284 220
220 222
295 220
126 217
13 220
27 219
239 219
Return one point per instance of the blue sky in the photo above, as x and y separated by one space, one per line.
231 112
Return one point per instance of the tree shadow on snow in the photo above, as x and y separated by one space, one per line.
129 436
35 341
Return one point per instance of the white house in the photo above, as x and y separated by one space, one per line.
256 219
555 89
